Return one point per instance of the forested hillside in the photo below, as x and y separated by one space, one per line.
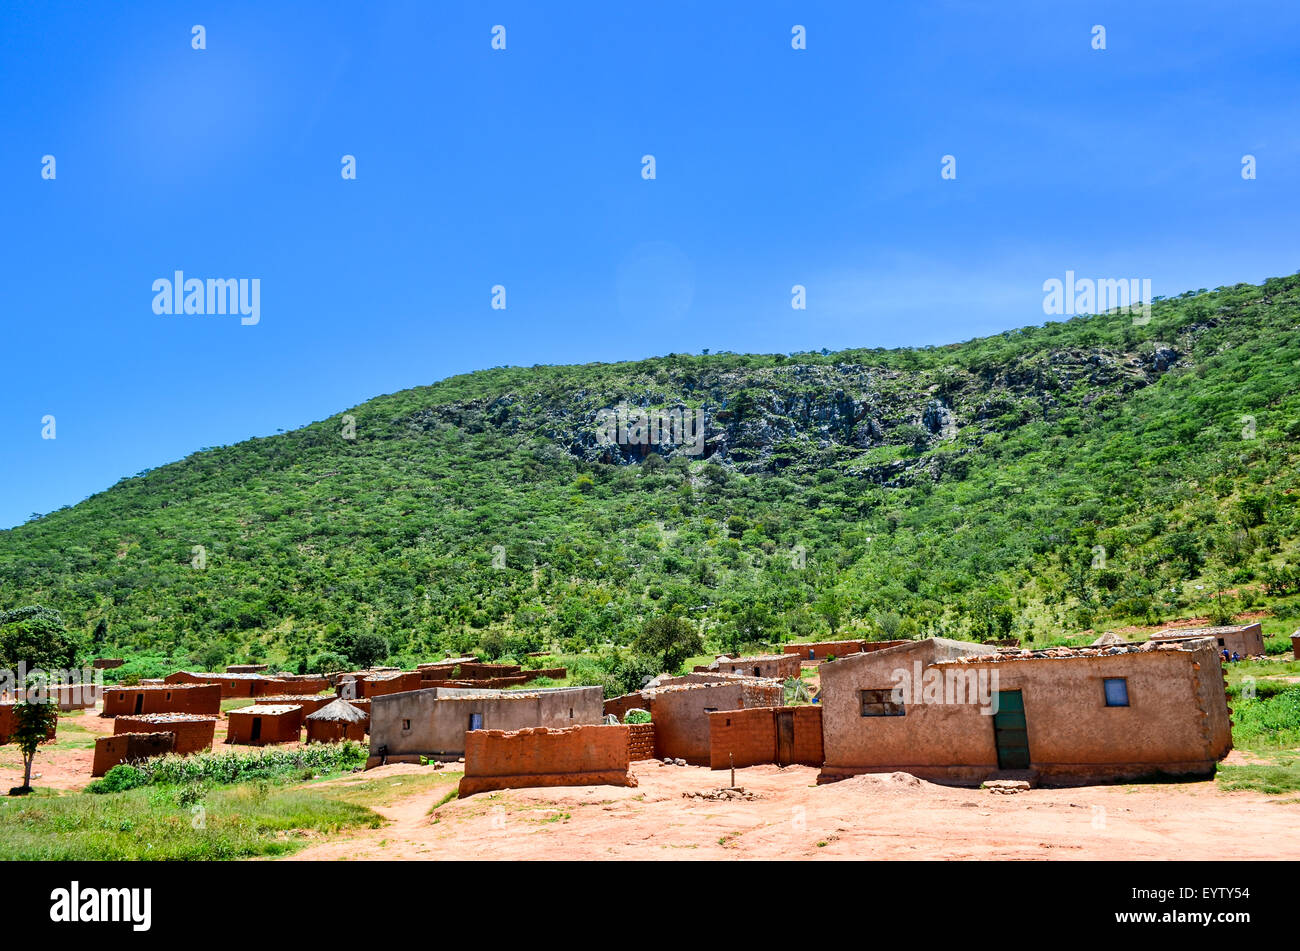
1083 474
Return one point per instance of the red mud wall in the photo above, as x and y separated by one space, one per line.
129 747
202 699
572 756
640 741
750 736
193 733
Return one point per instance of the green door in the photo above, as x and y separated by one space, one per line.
1010 732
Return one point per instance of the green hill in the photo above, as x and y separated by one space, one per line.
1086 473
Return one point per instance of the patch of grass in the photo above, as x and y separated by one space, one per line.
1280 776
163 824
377 792
451 794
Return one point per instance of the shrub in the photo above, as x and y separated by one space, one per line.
637 716
119 779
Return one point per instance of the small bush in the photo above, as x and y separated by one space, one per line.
119 779
637 716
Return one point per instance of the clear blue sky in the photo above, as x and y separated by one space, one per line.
477 167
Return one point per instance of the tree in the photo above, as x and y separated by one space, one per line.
670 638
35 636
32 723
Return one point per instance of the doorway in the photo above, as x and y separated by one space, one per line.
139 702
1010 731
257 730
784 737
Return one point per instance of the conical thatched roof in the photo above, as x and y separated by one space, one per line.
338 710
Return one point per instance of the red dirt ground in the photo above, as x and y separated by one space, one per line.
880 817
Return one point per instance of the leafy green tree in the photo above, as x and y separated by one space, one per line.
669 638
36 636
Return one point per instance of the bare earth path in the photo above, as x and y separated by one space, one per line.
894 816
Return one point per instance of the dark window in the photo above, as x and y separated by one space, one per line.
881 703
406 724
1116 691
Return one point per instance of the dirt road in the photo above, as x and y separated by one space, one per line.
880 817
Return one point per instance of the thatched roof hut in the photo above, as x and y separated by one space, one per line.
337 720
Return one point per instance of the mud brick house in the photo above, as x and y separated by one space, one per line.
67 696
292 686
367 684
820 650
1061 715
204 699
619 706
7 722
779 666
129 748
193 732
337 721
779 735
232 685
246 668
310 704
570 756
263 724
1246 640
1295 645
433 722
680 712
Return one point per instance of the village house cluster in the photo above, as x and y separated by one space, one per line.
944 710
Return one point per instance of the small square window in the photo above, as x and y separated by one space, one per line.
881 703
406 724
1116 691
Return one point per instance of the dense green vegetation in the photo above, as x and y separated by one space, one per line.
1082 474
234 766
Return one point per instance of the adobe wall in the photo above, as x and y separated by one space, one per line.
193 733
820 650
491 683
295 687
640 741
439 717
129 748
68 696
552 673
750 736
619 706
334 731
309 704
680 713
1177 721
232 685
202 699
780 667
573 756
1295 646
283 727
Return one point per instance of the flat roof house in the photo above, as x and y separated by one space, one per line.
433 722
962 714
779 666
1247 640
264 723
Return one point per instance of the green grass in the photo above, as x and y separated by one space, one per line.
1267 723
1282 775
152 823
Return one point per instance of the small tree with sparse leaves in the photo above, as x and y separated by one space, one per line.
32 723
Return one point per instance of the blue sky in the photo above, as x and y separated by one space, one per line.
522 167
